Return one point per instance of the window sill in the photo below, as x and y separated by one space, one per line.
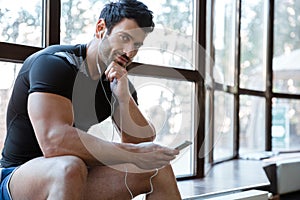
227 177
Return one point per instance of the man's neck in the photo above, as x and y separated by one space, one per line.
93 60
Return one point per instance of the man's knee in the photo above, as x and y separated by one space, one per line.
70 168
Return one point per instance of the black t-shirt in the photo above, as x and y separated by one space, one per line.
61 70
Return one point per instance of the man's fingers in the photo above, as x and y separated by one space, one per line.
169 151
114 70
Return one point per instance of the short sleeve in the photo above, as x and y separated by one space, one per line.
52 74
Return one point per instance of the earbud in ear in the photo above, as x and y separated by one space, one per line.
99 34
104 33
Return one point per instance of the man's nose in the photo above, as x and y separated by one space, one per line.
130 51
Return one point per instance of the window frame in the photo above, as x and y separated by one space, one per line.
236 90
51 35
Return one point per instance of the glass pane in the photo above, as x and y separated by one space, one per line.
224 41
223 126
252 124
78 20
168 104
8 73
253 43
285 125
171 43
286 47
21 23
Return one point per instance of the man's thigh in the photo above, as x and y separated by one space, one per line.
33 179
117 182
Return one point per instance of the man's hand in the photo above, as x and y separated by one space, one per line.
116 73
151 156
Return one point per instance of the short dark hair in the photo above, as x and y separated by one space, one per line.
114 12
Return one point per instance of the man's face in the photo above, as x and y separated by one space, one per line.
125 38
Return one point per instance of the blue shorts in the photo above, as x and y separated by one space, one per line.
5 176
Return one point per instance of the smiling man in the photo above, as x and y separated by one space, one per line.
63 90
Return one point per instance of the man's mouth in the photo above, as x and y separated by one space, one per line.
122 59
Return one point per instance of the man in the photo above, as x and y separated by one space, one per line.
47 152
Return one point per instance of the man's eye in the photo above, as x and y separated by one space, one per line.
137 46
124 38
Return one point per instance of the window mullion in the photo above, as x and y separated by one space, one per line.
52 24
269 74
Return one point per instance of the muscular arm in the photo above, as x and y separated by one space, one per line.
52 119
134 126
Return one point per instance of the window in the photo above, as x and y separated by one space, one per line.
252 65
254 74
169 108
223 126
221 81
285 123
21 34
224 41
21 23
252 124
8 72
172 43
78 20
253 45
285 104
286 47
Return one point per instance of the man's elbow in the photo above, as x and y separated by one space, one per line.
126 138
52 143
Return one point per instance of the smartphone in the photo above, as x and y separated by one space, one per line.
183 145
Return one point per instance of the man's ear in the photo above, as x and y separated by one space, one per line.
100 28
